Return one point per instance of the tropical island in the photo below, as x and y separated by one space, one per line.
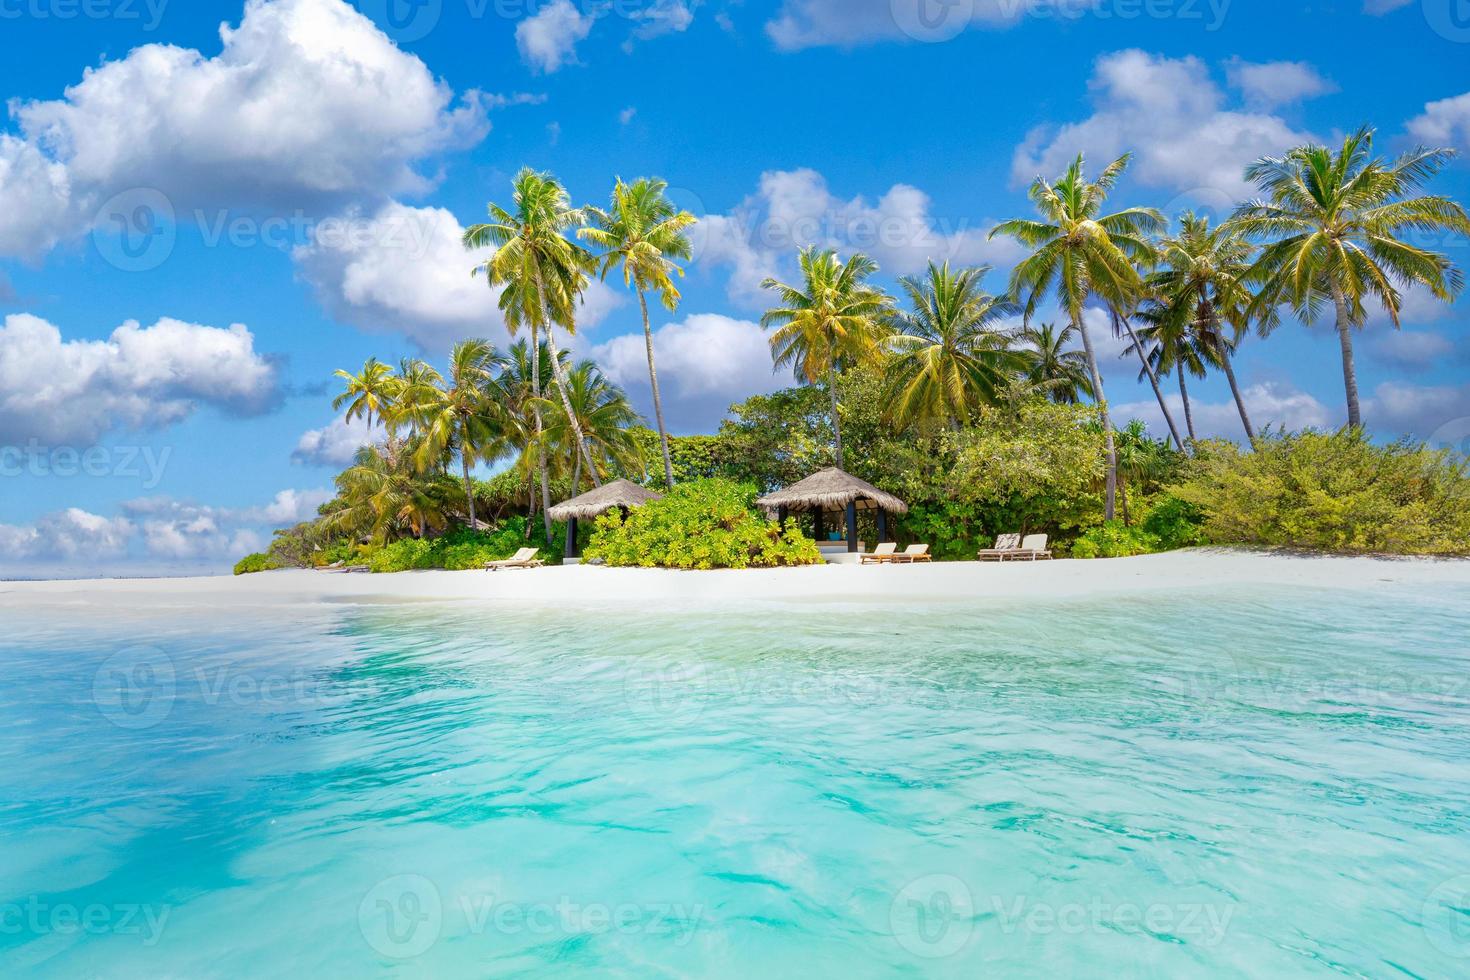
954 397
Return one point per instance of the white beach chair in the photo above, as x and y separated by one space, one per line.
525 558
1005 546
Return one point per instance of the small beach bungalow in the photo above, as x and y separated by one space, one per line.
833 495
618 495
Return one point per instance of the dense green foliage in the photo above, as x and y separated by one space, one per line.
255 563
458 551
1332 492
704 524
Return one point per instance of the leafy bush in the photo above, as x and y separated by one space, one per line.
1174 523
704 524
255 563
1114 539
1332 492
459 550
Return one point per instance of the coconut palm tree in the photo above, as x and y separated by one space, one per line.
385 497
605 416
368 394
1051 366
1172 346
1141 460
948 357
461 415
1334 223
1078 254
543 274
832 321
644 233
1200 289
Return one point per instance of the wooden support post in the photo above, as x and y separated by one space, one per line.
882 526
852 539
818 530
572 550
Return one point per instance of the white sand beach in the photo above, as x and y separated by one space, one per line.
571 585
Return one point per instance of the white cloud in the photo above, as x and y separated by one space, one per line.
1269 404
306 103
336 443
793 208
662 17
803 24
1444 123
706 363
548 39
1401 408
1377 8
69 534
1415 349
405 270
1174 118
70 392
626 116
1270 84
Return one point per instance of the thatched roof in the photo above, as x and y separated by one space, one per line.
594 503
833 489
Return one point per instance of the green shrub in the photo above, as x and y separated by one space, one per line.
459 550
704 524
1113 539
1174 523
255 563
1332 492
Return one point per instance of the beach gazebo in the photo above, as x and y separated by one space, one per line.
834 490
618 495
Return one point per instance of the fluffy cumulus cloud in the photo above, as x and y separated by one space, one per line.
1175 119
548 39
1440 413
404 270
793 208
306 103
800 24
336 443
67 534
1444 123
1268 84
1414 349
660 18
706 363
62 392
1268 404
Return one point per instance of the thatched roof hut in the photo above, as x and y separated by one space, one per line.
610 496
832 489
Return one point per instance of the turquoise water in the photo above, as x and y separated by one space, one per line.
1223 783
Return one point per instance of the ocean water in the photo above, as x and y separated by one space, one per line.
1203 782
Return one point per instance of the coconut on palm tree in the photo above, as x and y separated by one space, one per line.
643 232
949 358
1052 366
1079 254
1335 226
1200 290
543 274
830 322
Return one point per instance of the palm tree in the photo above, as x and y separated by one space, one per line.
1333 222
949 358
1170 345
517 391
1141 460
1200 288
832 321
1050 366
605 417
384 497
461 414
644 233
1078 254
368 394
543 274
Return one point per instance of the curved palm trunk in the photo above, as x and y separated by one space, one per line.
1153 379
1349 368
561 389
658 404
1245 418
577 476
469 490
540 447
836 422
1188 411
1110 498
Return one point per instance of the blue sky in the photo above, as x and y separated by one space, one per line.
293 175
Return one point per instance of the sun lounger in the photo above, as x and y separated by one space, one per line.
1006 546
914 553
881 554
1033 549
525 558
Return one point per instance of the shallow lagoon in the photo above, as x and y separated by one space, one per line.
1233 782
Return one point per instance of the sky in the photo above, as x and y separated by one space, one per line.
208 208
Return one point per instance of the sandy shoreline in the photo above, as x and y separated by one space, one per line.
563 586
